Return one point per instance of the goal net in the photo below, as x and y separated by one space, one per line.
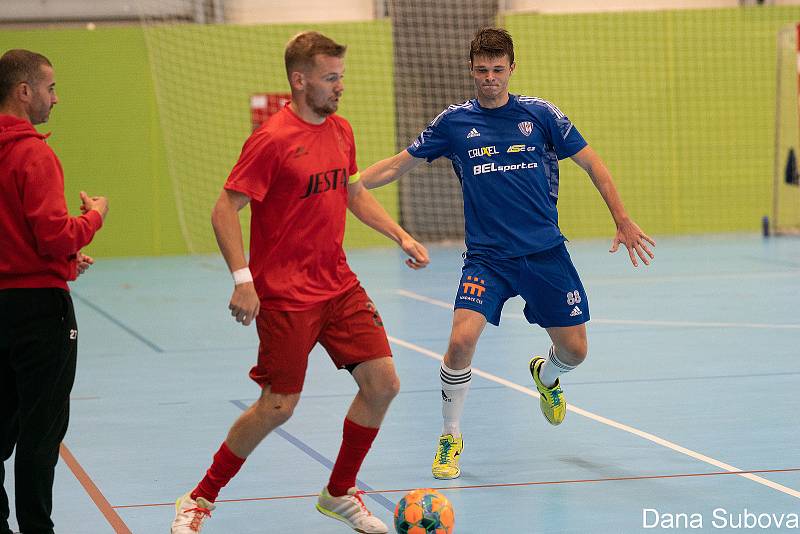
218 70
678 103
786 186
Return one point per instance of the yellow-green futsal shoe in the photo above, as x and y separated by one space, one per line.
448 454
551 400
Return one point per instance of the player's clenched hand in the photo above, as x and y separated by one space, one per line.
99 204
419 254
245 303
635 240
84 262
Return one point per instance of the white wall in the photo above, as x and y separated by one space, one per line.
256 11
236 11
578 6
64 10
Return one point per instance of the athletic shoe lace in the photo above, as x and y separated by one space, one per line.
357 496
444 451
555 395
200 514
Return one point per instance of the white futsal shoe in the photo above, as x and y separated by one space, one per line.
350 509
190 514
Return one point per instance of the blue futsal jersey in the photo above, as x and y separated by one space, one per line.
506 159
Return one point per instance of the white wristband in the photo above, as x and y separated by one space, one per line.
242 276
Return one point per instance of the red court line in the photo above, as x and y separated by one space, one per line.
505 485
97 496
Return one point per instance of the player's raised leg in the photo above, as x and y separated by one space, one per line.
568 350
378 384
456 375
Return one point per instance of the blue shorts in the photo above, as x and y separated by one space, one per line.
547 281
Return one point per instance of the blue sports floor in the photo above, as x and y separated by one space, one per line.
692 377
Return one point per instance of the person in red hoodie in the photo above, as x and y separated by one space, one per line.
40 251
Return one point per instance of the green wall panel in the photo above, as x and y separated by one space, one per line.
105 131
680 104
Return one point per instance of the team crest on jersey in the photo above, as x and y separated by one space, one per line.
526 127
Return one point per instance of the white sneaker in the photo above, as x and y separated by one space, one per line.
190 514
351 509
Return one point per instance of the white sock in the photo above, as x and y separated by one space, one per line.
552 368
455 385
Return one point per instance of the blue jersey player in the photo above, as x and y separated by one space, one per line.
505 151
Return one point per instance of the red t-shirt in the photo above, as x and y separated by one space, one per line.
296 175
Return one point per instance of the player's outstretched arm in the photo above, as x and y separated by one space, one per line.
244 304
370 212
628 232
388 170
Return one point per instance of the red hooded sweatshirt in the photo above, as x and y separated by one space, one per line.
38 239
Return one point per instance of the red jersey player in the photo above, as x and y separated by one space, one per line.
298 172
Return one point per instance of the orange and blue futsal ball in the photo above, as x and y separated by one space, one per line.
424 511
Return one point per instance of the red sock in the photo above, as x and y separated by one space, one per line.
356 442
222 470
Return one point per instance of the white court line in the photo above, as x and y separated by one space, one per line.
687 278
640 322
610 422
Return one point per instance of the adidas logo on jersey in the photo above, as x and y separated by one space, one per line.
473 133
575 311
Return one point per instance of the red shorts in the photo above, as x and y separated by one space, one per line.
348 326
